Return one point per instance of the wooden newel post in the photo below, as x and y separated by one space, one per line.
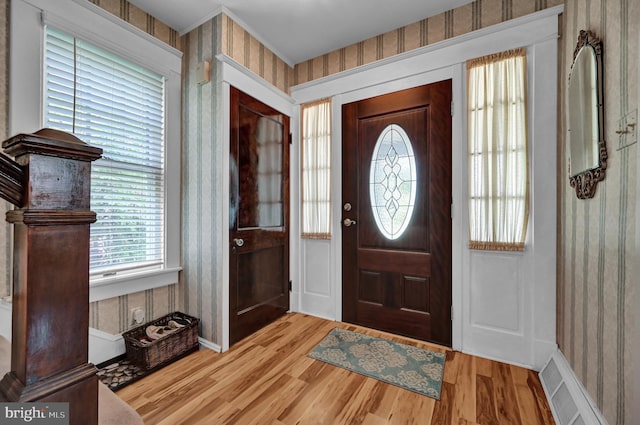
49 350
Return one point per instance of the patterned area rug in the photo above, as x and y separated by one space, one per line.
408 367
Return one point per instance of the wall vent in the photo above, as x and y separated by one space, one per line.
569 401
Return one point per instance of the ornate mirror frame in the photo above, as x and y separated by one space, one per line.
585 181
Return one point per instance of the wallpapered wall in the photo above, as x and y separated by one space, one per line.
239 44
596 246
473 16
201 189
5 229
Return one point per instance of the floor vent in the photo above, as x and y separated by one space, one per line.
569 401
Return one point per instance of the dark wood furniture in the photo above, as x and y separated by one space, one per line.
49 183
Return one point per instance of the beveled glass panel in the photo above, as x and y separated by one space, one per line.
392 181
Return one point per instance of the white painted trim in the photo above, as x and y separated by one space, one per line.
224 241
238 76
205 343
295 243
85 20
104 346
459 224
115 286
6 316
127 26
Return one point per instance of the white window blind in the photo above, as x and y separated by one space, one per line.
114 104
316 170
498 174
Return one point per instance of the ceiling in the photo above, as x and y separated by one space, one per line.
297 30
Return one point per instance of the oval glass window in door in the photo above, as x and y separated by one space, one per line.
392 181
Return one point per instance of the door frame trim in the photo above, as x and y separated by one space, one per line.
234 74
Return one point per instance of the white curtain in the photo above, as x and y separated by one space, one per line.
498 164
316 170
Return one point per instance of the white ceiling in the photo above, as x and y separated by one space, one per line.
297 30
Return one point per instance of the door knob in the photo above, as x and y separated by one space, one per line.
348 222
238 242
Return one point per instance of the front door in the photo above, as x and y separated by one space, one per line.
396 216
259 215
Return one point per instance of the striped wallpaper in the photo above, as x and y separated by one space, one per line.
473 16
138 18
596 246
202 203
5 228
240 45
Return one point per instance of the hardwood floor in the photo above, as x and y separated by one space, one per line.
268 379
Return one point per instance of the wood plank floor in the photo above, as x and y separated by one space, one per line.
268 379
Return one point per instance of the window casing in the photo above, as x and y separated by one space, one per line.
89 22
116 105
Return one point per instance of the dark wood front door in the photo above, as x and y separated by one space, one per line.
396 231
259 215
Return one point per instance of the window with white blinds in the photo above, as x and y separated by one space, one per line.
117 105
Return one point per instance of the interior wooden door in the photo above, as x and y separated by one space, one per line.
396 171
259 215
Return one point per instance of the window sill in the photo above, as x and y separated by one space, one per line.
111 287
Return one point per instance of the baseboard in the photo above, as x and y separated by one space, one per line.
210 345
5 319
104 346
569 401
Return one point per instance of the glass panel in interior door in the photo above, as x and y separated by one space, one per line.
260 158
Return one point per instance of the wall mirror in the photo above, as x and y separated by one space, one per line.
585 114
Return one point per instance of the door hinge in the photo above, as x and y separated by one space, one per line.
452 108
290 286
452 313
452 211
290 139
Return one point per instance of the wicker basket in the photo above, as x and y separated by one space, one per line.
148 355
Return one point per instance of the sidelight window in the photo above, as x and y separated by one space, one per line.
316 170
497 132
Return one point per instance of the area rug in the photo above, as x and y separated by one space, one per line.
415 369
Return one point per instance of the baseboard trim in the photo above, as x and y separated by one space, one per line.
210 345
104 346
569 401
